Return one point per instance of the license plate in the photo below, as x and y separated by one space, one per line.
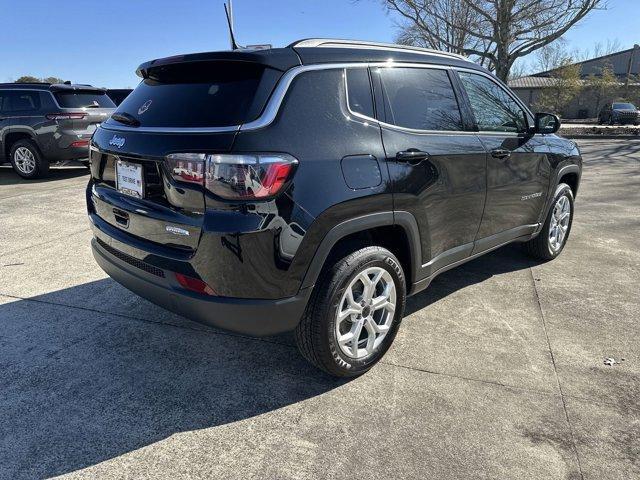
129 179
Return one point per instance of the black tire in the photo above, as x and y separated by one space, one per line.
540 246
316 335
41 168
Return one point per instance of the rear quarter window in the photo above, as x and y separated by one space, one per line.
25 101
359 91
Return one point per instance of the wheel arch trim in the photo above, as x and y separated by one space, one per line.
29 134
405 220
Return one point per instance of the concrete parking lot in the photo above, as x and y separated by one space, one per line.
497 372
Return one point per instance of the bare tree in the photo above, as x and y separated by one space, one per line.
498 32
445 35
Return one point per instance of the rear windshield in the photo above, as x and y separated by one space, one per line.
74 99
623 106
198 94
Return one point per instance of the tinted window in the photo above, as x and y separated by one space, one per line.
4 103
419 98
201 94
22 101
360 99
75 99
624 106
494 109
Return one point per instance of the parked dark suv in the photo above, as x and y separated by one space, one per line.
313 187
42 124
619 112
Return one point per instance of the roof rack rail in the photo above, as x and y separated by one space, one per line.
341 43
25 83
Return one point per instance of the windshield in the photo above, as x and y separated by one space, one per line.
199 94
624 106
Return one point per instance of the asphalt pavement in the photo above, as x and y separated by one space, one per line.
498 370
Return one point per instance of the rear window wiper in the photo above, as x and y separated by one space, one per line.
125 118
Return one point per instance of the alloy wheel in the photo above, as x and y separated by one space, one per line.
559 225
24 160
365 312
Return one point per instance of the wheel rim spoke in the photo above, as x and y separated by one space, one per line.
24 160
559 224
368 302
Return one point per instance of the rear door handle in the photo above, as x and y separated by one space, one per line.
501 153
412 156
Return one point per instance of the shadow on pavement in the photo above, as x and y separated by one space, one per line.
506 259
9 177
81 387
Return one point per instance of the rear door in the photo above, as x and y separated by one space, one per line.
518 169
437 167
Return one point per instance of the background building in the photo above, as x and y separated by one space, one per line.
601 80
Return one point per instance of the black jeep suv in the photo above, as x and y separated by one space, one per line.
619 112
42 124
313 187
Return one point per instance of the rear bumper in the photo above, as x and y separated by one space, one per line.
56 153
255 317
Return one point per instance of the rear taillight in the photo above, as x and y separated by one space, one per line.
187 167
80 143
66 116
234 176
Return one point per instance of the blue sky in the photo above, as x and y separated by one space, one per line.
102 43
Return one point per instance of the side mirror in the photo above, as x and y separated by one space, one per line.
547 123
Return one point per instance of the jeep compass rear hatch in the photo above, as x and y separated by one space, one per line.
148 158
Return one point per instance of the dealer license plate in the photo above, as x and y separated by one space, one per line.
129 179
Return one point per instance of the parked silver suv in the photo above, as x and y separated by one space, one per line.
42 124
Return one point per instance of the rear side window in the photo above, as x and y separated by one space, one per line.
22 101
79 99
493 107
359 91
200 94
420 99
4 101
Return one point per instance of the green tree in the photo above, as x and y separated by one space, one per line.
32 79
53 80
28 79
604 87
566 86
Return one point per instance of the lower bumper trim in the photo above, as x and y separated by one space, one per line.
255 317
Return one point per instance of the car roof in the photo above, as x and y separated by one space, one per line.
320 50
49 86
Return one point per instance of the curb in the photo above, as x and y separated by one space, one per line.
600 137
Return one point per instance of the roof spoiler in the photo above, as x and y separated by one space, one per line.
78 87
277 58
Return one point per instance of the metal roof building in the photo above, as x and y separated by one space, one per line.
625 65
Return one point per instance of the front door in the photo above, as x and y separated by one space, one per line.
518 170
436 166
